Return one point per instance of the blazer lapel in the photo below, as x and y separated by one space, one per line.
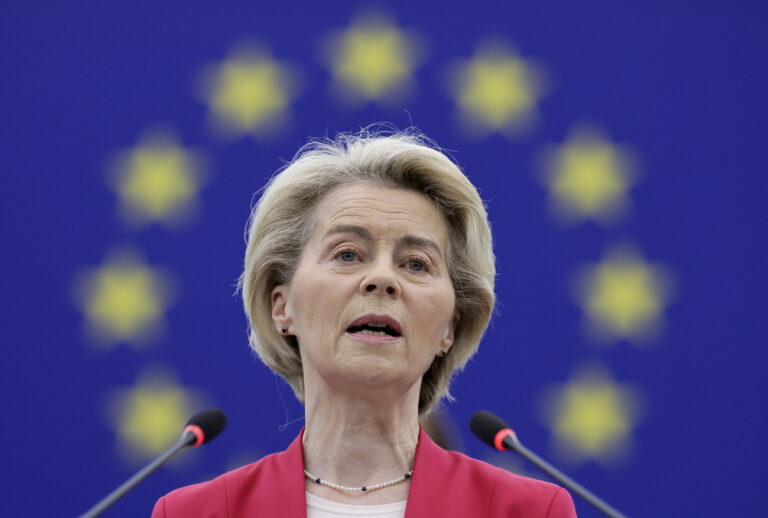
290 496
430 465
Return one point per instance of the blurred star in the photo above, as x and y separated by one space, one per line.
588 177
149 416
496 90
124 300
623 296
373 60
249 93
158 180
592 417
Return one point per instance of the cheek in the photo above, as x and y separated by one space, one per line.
318 300
435 313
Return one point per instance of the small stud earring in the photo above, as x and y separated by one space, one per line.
442 354
283 330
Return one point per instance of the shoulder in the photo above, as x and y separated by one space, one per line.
448 484
501 479
214 497
273 485
504 493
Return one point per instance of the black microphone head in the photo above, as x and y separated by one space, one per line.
486 426
211 422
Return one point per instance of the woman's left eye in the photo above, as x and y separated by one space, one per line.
347 256
417 265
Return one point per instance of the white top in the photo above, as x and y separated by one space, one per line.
321 508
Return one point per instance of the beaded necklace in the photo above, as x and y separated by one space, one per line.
362 489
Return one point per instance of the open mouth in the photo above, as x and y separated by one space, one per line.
377 328
374 329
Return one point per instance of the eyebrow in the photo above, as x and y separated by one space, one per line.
359 231
364 233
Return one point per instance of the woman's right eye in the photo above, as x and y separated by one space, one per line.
347 256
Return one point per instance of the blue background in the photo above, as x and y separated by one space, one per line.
683 86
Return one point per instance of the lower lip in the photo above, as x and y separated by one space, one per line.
373 339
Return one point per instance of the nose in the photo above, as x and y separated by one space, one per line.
380 279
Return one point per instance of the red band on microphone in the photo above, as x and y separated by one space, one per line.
198 433
498 440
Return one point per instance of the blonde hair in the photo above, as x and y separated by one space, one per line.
280 225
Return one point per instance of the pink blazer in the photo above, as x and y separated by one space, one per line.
445 484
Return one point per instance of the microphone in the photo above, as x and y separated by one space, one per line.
494 432
200 429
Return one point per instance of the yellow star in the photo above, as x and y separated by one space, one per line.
124 300
157 181
588 178
249 92
150 416
592 417
622 295
496 90
373 60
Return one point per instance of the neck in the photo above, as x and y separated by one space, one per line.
351 441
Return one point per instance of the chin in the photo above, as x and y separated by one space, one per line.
373 371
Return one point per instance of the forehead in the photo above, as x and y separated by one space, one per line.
381 210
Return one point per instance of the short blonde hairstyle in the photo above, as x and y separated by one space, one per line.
280 225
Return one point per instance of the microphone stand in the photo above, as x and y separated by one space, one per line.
185 440
513 443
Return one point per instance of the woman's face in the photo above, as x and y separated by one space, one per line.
371 302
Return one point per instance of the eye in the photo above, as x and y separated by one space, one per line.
346 255
417 264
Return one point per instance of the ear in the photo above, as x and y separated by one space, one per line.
280 311
447 342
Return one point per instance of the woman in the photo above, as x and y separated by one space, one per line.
368 282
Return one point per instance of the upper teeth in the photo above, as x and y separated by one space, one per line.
376 324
